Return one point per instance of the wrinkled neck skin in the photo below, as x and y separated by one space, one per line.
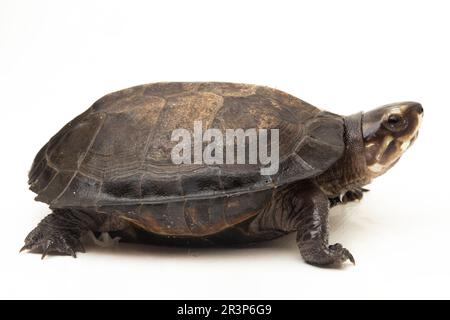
350 171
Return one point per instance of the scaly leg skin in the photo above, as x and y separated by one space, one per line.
350 196
61 231
311 209
301 208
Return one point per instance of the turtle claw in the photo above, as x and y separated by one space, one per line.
73 253
25 247
348 256
352 260
340 254
81 247
352 195
349 196
46 248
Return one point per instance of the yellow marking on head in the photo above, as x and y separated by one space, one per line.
377 168
386 141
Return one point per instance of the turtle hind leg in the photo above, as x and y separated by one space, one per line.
61 231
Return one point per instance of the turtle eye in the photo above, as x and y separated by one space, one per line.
395 122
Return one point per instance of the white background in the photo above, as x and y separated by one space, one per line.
57 58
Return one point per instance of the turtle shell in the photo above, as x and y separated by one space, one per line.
118 152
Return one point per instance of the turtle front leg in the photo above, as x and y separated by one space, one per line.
61 231
309 209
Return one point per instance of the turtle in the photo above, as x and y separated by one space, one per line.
111 169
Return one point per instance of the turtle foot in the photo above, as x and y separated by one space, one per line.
104 240
327 256
354 195
47 238
349 196
340 254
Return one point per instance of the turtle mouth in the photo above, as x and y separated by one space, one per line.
414 139
419 122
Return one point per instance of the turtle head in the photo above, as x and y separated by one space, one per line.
387 132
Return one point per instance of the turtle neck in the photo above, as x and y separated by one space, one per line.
350 171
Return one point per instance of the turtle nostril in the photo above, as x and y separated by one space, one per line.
418 108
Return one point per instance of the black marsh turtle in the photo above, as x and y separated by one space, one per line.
110 169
